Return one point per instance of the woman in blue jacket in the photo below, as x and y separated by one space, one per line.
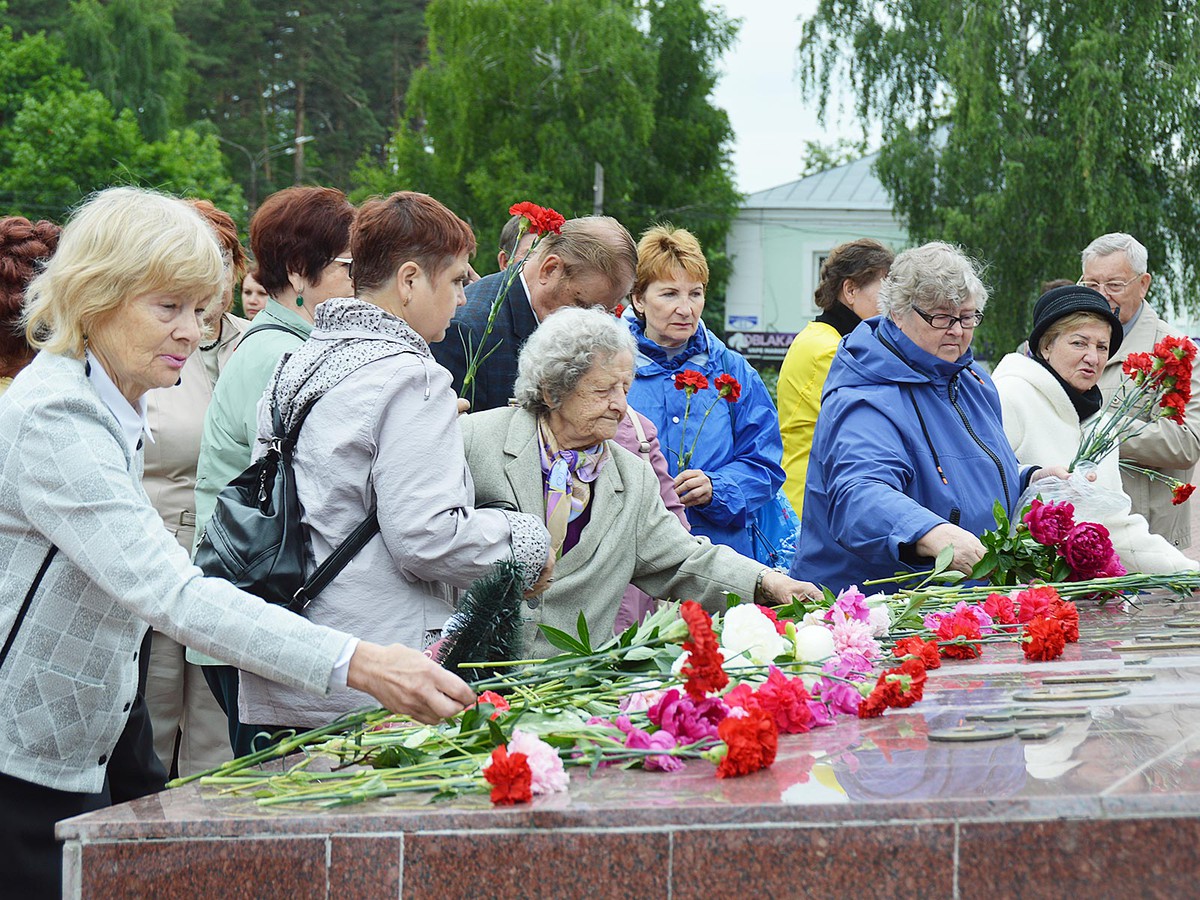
909 453
733 468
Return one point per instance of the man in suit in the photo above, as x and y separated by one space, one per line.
591 262
1116 266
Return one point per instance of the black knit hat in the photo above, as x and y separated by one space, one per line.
1073 298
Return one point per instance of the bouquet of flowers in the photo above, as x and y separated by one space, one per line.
1158 386
692 382
1046 545
539 220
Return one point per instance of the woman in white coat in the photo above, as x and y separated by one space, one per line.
1050 398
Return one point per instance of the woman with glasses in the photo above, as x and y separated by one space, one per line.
909 453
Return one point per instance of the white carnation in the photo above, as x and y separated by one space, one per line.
748 636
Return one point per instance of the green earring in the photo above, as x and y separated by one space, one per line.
299 300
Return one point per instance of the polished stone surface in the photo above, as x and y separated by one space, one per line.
1108 804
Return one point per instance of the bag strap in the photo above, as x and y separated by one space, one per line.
636 421
269 326
335 562
26 603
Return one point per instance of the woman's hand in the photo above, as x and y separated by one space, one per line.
967 548
408 682
464 406
1056 472
779 588
545 579
693 487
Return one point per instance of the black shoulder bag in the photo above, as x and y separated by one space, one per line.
255 538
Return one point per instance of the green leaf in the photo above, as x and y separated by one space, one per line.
985 567
732 600
584 638
944 559
563 641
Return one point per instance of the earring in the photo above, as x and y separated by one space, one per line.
299 300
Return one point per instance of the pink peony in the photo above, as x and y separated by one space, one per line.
549 776
1088 550
687 720
1049 523
853 636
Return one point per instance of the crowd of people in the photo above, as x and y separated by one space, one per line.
617 454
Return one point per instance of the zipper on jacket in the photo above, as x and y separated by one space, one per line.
952 394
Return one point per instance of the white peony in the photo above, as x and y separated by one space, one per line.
748 636
814 643
880 620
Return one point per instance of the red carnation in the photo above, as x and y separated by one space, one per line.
908 681
1087 549
702 673
1138 366
619 310
875 704
541 219
786 701
959 625
1174 405
727 386
1066 614
751 740
690 381
510 777
1043 639
1000 607
926 651
496 700
1049 523
1181 492
1034 601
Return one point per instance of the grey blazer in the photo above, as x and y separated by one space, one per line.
69 480
630 538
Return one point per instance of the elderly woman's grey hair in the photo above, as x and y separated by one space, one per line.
930 276
1117 242
562 350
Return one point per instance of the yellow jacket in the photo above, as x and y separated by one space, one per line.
801 378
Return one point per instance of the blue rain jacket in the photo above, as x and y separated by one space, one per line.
739 448
889 419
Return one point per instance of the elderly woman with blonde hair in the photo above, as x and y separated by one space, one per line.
553 455
909 453
88 563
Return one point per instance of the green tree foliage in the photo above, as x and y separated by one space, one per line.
819 157
61 140
1022 130
520 99
130 51
267 72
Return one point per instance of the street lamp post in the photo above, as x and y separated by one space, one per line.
257 159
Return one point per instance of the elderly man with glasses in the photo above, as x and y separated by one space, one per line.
1116 266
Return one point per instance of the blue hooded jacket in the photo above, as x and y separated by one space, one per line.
739 448
905 442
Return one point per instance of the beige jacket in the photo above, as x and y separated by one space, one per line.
1163 446
176 417
630 538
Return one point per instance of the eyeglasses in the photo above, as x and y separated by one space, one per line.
1108 287
346 261
945 321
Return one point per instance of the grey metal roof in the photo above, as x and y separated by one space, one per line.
849 186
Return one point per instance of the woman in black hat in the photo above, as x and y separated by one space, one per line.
1050 397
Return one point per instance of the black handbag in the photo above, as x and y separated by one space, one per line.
255 538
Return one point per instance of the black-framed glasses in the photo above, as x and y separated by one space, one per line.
347 261
945 321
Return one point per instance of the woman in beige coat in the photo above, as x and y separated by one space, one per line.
190 729
553 456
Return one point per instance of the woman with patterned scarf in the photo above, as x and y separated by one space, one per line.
553 456
382 433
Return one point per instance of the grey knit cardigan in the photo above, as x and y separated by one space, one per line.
69 481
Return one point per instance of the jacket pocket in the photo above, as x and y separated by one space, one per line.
53 712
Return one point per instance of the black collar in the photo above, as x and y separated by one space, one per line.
1087 403
841 317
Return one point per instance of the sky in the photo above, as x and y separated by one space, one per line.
770 115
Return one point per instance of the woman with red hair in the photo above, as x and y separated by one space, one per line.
23 244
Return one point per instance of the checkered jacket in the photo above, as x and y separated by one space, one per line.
69 480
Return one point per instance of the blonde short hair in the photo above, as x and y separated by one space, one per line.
1059 327
663 252
121 244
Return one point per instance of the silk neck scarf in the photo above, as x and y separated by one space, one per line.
568 477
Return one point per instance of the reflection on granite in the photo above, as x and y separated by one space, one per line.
864 806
